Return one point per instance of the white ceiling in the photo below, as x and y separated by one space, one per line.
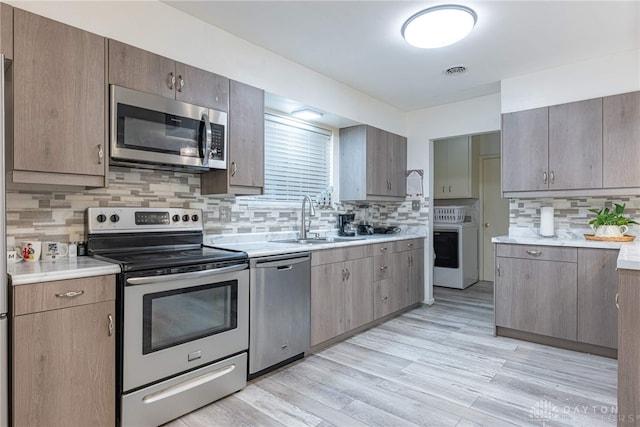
359 44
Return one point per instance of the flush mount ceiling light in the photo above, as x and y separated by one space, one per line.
307 114
439 26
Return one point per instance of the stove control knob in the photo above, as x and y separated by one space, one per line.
115 218
185 218
102 218
194 218
175 218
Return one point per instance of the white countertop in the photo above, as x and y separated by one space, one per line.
256 245
265 244
628 257
23 273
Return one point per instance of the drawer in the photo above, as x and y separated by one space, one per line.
383 248
547 253
381 267
329 256
62 294
408 245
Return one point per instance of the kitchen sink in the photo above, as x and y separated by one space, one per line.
319 240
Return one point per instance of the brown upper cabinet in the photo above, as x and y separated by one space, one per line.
580 148
59 104
138 69
373 164
245 173
575 145
6 30
621 140
455 168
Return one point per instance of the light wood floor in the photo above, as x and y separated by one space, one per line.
433 366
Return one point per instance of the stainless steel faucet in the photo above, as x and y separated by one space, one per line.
312 212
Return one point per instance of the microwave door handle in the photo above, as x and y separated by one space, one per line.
207 139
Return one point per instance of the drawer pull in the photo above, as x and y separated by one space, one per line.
384 267
70 294
534 253
383 249
110 317
409 245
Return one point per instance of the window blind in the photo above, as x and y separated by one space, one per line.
297 159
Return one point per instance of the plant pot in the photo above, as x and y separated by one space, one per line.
611 230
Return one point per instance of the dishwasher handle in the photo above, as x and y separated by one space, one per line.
280 261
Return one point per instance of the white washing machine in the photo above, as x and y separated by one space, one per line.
455 247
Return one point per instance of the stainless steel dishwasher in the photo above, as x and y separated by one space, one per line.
279 311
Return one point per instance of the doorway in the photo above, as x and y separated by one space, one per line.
494 213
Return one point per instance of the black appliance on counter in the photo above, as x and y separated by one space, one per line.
386 229
364 227
182 322
346 227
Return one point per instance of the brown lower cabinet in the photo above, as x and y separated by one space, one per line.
628 348
341 292
353 286
558 292
63 353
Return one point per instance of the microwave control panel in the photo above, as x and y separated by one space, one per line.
217 142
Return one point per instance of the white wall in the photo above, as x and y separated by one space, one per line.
155 26
472 116
476 115
593 78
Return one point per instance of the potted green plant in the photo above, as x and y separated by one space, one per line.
610 223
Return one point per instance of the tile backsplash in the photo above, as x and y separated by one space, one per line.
569 213
59 216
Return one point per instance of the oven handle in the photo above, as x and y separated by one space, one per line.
179 276
187 385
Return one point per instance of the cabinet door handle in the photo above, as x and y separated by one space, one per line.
110 317
383 249
383 268
171 81
534 253
344 274
180 83
544 177
498 270
234 168
100 154
70 294
443 188
449 189
409 245
617 300
552 177
384 299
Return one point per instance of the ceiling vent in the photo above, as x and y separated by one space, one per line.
453 71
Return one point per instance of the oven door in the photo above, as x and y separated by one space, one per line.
154 130
177 322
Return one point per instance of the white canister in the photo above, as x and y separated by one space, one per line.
547 227
73 249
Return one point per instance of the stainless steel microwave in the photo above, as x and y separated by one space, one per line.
151 131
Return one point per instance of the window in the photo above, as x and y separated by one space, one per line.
297 159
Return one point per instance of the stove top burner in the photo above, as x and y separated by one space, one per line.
153 239
133 261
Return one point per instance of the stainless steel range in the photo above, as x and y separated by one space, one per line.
183 311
